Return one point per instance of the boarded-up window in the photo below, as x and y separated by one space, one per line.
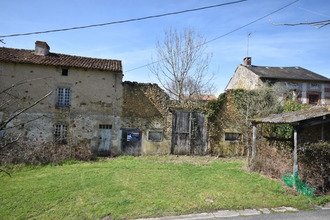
63 97
155 136
232 136
61 134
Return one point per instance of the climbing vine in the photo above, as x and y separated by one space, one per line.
212 108
285 131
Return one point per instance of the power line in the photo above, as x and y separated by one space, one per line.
124 21
230 32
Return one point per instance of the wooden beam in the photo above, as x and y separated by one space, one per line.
322 133
295 154
315 121
254 141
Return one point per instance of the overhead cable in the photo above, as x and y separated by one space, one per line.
223 35
124 21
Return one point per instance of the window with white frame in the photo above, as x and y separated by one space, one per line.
63 97
155 136
61 134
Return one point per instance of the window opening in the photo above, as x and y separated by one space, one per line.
313 99
105 126
232 136
63 97
61 134
155 136
65 72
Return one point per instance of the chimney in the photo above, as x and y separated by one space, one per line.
247 61
41 48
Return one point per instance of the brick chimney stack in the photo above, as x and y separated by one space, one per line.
247 61
41 48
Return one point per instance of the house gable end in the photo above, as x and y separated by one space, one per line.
244 78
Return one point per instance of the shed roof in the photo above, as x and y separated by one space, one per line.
294 117
287 73
56 59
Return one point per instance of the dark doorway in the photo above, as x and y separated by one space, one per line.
131 142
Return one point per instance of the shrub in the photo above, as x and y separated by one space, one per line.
271 160
274 159
30 153
314 165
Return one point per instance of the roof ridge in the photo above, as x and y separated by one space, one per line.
286 73
58 59
61 54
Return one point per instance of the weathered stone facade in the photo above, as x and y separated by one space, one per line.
306 86
82 99
89 105
227 131
145 108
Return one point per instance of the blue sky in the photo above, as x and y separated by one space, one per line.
134 43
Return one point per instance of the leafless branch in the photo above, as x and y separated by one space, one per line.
20 83
5 122
8 141
1 170
25 122
183 64
317 24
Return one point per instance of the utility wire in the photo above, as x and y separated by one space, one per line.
124 21
221 36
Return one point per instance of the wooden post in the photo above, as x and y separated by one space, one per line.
254 140
295 155
322 130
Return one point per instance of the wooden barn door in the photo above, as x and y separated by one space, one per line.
181 133
189 133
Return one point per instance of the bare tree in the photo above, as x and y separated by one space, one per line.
182 65
317 24
9 99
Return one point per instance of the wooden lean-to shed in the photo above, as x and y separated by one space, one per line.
299 120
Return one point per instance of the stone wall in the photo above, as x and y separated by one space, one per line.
228 120
145 107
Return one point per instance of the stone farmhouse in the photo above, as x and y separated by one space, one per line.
306 86
295 82
84 107
90 106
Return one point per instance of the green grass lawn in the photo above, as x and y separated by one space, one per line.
135 187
